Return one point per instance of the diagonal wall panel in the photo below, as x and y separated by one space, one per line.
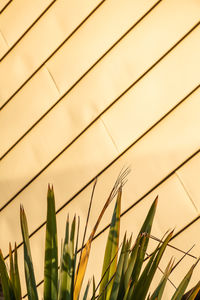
40 159
47 34
153 158
38 110
43 92
166 24
18 18
90 88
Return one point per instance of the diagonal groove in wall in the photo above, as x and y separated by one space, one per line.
114 101
143 196
59 154
175 172
3 9
69 36
187 192
27 30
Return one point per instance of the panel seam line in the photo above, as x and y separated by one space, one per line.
4 38
52 79
186 191
109 134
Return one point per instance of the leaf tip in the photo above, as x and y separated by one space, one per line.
156 201
21 210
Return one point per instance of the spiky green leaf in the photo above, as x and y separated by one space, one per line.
143 284
111 250
192 294
17 284
145 233
157 294
51 250
8 291
118 276
184 283
86 291
28 265
12 276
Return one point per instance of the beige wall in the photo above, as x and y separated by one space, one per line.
87 87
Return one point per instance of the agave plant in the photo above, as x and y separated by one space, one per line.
130 279
127 271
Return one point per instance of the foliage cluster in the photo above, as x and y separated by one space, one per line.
127 271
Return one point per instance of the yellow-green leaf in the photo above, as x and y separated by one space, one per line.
86 251
184 283
191 295
157 294
51 250
67 264
118 276
5 281
28 265
17 283
111 250
147 275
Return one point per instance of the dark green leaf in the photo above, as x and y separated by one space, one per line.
51 250
28 265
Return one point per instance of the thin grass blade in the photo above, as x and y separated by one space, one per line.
86 251
157 294
93 289
86 291
86 224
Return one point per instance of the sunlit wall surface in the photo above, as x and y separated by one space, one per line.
86 88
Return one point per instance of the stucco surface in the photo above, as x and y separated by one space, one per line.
86 88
